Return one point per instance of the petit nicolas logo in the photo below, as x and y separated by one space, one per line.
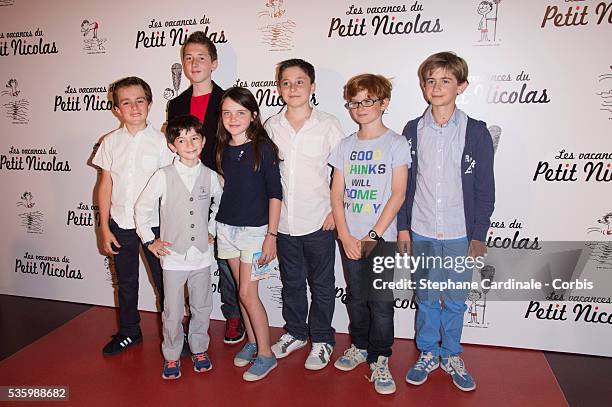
576 15
266 92
386 20
175 32
21 43
83 99
595 167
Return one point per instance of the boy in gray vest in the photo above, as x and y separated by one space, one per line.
186 188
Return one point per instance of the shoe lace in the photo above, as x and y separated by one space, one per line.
424 360
352 352
171 363
458 365
201 357
318 349
286 338
381 372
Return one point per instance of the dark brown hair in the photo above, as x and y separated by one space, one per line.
255 132
131 81
198 37
184 122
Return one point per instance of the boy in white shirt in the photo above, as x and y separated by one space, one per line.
305 136
186 188
128 157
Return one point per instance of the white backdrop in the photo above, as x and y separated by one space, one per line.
540 76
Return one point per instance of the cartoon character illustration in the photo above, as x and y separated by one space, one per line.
168 93
87 27
473 297
484 8
277 32
606 94
12 85
606 228
26 200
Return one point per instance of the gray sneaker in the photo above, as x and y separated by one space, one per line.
319 356
286 345
260 369
381 376
352 357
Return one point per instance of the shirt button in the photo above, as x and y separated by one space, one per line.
192 238
192 225
191 199
191 212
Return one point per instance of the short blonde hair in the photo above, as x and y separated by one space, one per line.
449 61
376 85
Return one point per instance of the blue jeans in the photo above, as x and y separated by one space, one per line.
439 317
308 258
370 311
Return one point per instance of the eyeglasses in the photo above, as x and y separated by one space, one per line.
364 103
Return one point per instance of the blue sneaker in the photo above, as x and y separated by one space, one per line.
246 355
201 363
381 376
454 366
351 358
260 369
172 369
425 364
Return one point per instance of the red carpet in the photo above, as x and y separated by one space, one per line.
71 355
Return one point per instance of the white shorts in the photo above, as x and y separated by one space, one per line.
239 241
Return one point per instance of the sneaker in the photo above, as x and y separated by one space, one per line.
119 343
381 376
201 363
260 369
246 355
286 345
185 351
425 364
172 369
319 356
352 357
454 366
234 330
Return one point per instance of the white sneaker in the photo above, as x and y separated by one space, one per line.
319 356
381 376
352 357
286 345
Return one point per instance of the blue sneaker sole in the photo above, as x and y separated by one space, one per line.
472 388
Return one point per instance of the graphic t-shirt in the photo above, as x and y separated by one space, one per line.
367 166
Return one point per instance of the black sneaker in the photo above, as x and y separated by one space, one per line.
119 343
186 351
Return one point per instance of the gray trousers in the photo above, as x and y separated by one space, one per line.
200 307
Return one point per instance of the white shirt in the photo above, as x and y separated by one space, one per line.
131 161
304 170
146 210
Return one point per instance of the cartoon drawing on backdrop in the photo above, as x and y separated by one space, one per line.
277 30
177 71
495 132
606 225
15 109
487 273
32 221
606 93
275 287
91 41
484 9
109 265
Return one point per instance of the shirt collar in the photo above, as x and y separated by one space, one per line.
428 119
183 169
314 118
140 133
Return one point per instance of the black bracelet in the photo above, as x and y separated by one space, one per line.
273 234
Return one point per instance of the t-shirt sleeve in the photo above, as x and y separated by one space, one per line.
336 158
271 170
400 152
103 157
336 133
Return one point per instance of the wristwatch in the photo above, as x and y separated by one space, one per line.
149 243
373 235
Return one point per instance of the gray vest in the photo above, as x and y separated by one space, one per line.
184 215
